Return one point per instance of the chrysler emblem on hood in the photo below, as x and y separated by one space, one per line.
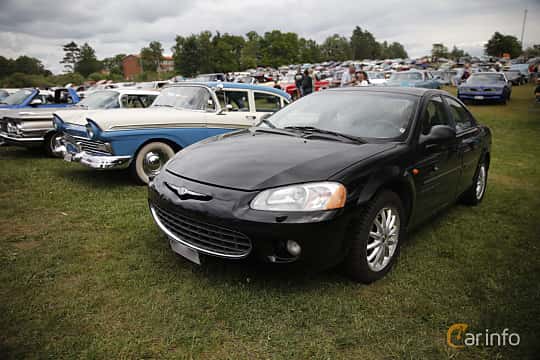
184 193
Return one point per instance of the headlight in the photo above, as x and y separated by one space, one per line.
90 131
302 197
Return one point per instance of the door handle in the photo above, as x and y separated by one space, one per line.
251 117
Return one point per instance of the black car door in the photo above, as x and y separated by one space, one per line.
469 142
437 167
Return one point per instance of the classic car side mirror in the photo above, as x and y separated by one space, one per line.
438 135
36 102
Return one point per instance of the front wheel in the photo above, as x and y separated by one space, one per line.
376 236
150 160
51 143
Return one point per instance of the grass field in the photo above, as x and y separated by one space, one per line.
86 274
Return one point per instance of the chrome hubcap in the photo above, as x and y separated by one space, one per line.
481 182
383 238
153 161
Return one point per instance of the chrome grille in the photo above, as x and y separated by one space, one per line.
95 147
207 238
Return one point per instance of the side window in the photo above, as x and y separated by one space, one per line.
266 102
434 114
237 99
147 100
460 115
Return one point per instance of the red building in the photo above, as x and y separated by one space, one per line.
131 65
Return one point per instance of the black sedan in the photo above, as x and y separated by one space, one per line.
339 176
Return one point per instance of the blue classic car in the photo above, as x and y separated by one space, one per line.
36 98
144 139
413 78
485 86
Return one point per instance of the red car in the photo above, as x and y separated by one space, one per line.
287 84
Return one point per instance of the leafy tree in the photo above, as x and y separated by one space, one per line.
336 47
151 56
88 62
29 65
457 53
500 44
6 66
309 51
227 52
279 48
364 45
71 56
439 50
251 53
114 64
532 51
186 55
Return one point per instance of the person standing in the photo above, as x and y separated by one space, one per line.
347 79
298 79
307 84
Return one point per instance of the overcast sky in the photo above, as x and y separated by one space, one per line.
39 28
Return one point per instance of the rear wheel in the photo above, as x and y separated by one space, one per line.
475 194
150 160
51 143
377 233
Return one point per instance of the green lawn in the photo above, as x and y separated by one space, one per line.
86 274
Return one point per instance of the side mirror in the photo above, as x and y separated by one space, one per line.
226 109
438 135
36 102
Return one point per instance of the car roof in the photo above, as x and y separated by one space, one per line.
232 85
415 91
127 90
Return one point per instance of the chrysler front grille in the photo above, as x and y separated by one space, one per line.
201 236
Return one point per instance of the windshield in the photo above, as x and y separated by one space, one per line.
101 100
184 97
18 97
485 78
375 75
406 76
360 114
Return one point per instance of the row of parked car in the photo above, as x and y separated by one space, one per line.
237 171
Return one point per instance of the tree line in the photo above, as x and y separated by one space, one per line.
208 52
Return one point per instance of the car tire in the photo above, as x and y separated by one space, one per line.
50 144
366 262
475 194
149 161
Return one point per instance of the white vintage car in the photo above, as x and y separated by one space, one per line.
145 139
33 127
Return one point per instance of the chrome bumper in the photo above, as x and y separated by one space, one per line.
98 162
19 140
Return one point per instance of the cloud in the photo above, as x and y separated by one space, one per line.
39 28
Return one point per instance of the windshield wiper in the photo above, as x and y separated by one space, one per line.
164 105
312 129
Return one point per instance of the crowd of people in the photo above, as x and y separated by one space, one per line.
305 80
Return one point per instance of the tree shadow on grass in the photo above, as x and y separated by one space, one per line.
17 152
97 179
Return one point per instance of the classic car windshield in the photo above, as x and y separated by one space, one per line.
406 76
184 97
101 100
375 75
476 79
361 114
18 97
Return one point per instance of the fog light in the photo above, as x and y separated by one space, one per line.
293 248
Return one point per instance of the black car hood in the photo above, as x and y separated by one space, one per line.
255 161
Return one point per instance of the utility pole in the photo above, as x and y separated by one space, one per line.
523 28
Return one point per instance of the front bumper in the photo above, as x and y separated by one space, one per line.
20 140
481 96
321 235
71 153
